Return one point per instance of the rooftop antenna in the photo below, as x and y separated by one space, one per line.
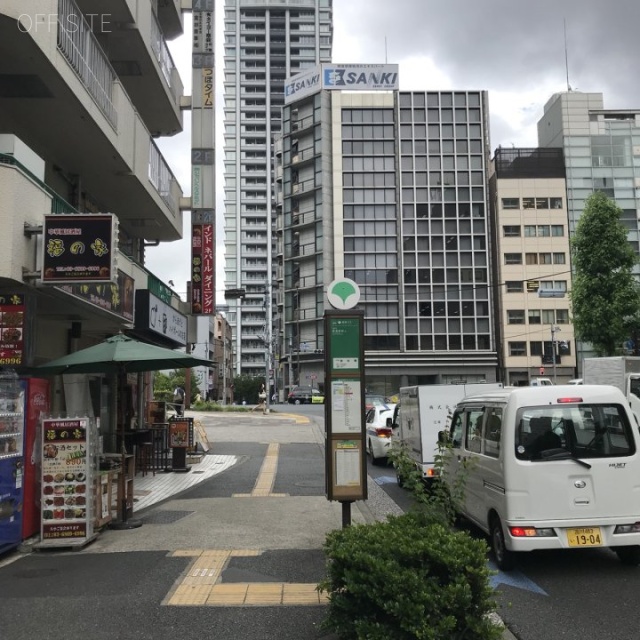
566 54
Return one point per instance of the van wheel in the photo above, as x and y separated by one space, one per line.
629 555
504 558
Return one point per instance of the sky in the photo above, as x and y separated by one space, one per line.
514 49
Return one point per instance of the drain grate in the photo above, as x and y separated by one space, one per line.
165 517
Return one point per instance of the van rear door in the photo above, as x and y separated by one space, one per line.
575 461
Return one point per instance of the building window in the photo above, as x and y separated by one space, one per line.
544 258
556 203
534 316
535 348
513 258
529 230
557 230
517 348
548 316
514 286
559 258
542 203
531 258
555 285
510 203
511 230
562 316
528 203
515 316
544 230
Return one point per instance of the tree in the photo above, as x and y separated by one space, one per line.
247 388
604 295
165 383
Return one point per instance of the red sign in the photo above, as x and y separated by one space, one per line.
12 321
79 248
179 434
202 269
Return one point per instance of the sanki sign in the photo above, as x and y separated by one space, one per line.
346 77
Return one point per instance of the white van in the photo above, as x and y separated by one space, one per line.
549 468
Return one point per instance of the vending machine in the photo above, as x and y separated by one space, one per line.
11 459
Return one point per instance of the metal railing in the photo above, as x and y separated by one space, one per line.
162 54
160 175
85 55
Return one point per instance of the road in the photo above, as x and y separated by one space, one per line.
125 583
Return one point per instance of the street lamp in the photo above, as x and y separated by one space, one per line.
554 346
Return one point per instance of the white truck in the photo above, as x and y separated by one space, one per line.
622 372
424 412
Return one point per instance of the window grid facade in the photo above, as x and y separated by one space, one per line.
444 222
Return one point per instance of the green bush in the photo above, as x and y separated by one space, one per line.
408 578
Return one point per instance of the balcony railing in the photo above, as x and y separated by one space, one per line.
160 175
162 54
81 49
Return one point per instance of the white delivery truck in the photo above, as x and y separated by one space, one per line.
425 412
622 372
549 468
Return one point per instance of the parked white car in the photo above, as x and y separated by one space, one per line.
379 431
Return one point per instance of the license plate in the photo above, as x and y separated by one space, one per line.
584 537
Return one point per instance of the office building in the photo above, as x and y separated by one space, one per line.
264 43
602 153
390 189
531 265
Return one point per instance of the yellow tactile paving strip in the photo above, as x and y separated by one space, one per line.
266 477
199 585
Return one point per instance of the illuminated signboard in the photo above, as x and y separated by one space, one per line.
79 248
202 269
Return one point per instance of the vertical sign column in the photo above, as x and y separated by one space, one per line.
202 296
346 468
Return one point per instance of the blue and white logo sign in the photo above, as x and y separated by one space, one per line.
361 77
346 77
302 84
343 294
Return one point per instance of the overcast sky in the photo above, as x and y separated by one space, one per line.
514 49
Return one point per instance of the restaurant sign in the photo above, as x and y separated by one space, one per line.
12 326
66 481
202 268
79 248
159 318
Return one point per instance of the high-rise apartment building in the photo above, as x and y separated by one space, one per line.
264 43
602 153
389 189
531 265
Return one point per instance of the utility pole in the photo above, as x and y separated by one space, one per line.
554 345
224 366
267 347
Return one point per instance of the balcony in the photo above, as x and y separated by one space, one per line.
91 129
134 41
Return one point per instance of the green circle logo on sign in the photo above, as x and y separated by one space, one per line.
343 294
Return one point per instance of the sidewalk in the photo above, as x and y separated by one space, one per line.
238 558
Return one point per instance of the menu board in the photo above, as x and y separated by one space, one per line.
179 434
66 489
12 312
